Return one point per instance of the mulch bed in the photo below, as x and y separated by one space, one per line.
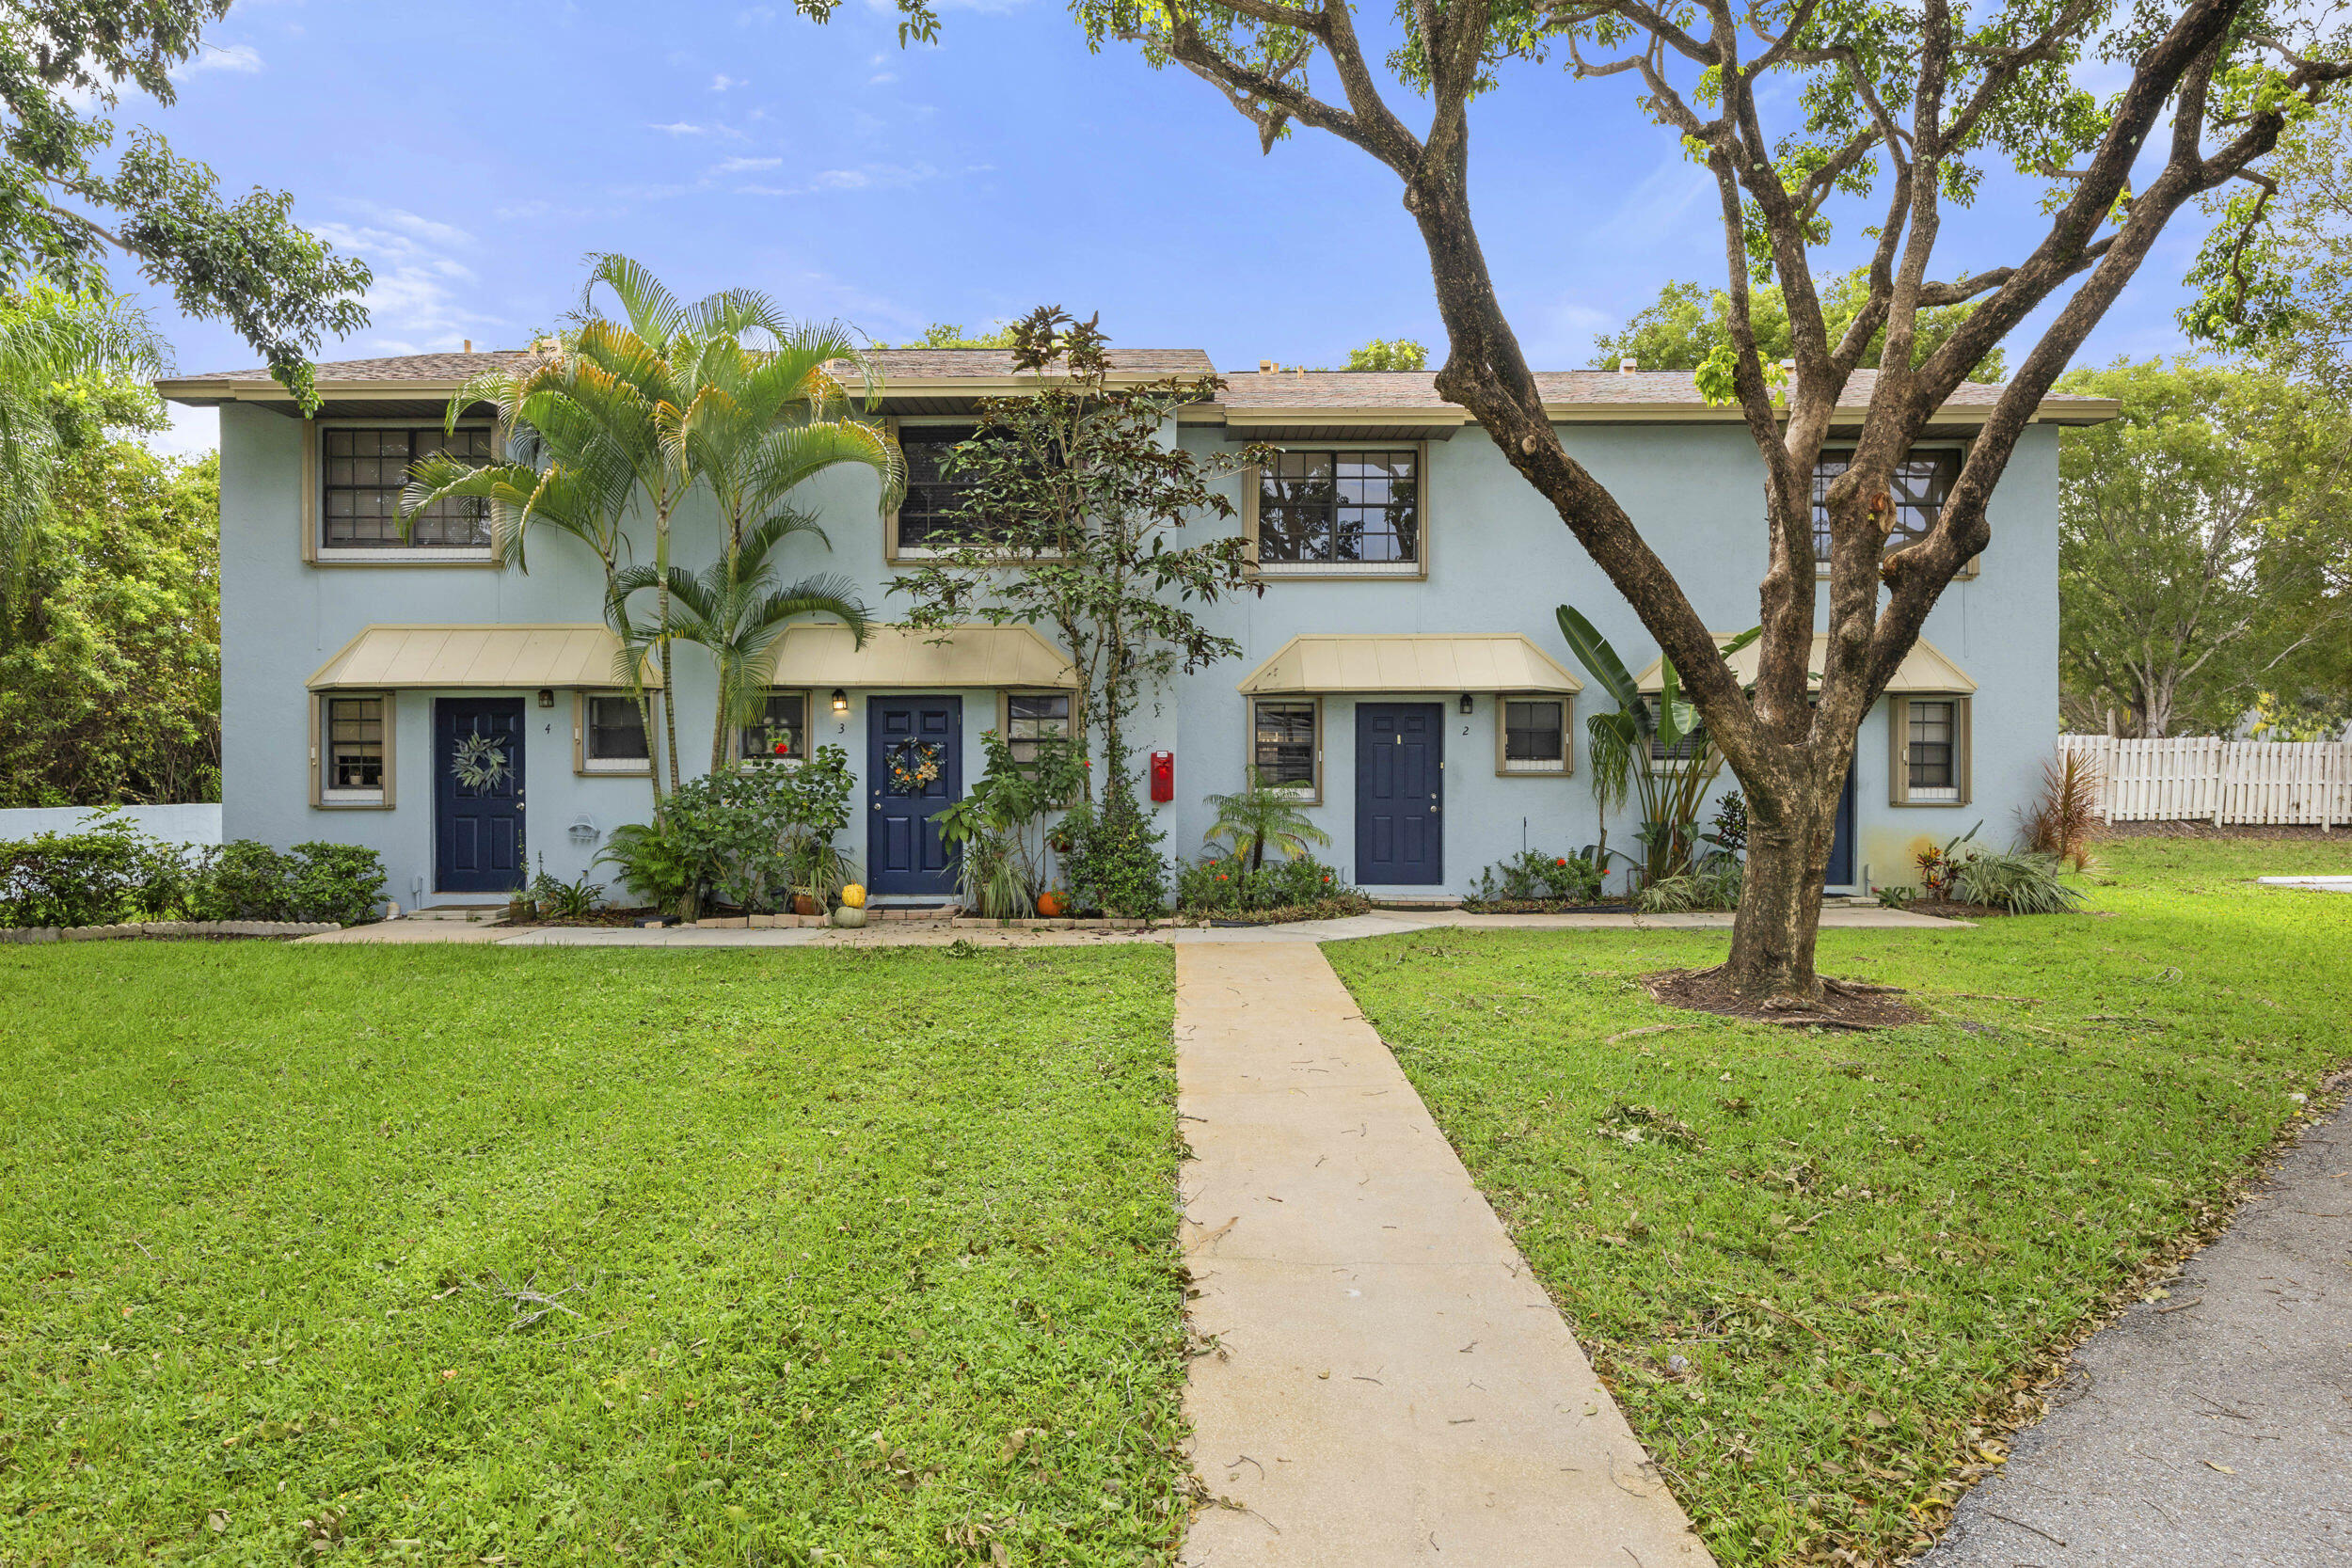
1844 1004
602 917
1328 909
1545 906
1952 909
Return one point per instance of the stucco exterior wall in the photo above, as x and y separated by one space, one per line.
1499 560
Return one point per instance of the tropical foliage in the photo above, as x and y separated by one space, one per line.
1259 814
998 830
1655 753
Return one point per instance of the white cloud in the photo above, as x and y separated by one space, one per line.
193 433
745 166
681 128
241 59
882 78
417 300
867 177
428 231
721 82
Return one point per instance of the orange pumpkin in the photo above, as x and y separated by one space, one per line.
1050 905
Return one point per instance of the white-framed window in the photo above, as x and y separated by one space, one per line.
1286 743
780 734
1929 766
1344 511
1532 735
362 471
613 734
1034 716
352 749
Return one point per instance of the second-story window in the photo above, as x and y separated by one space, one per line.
1339 509
363 470
929 516
1920 487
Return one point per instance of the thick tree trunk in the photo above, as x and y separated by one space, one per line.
1790 828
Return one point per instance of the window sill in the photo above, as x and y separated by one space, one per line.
1533 769
331 556
350 799
594 770
1374 569
915 555
1931 798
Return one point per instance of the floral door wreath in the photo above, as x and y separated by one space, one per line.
914 764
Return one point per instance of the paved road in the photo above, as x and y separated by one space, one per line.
2202 1435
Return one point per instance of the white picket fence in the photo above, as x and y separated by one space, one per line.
2197 778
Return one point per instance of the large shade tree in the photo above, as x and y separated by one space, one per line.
73 201
1808 116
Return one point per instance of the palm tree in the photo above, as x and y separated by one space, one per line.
1261 814
571 467
733 609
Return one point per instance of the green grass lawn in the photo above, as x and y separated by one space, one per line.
866 1258
1864 1246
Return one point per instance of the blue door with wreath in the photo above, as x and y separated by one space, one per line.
478 794
914 769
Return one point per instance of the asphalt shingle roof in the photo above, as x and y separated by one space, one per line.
1253 389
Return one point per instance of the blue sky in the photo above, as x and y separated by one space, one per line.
474 153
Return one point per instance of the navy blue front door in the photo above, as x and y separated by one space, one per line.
1400 793
478 828
1841 844
905 737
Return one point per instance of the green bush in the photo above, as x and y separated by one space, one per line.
1714 886
744 837
246 880
1533 875
110 871
2021 884
1226 885
1114 864
106 872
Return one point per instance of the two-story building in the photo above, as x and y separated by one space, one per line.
1402 669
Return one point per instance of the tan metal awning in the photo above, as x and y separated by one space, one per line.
1324 663
389 658
1923 669
826 655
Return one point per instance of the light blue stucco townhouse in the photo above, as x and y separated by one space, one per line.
1402 670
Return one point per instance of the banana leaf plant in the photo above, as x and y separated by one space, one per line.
1651 750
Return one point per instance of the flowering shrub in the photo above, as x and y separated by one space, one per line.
1226 885
1534 875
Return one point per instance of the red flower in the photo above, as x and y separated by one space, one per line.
784 748
1563 861
1220 876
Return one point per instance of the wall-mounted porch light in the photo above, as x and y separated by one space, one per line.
1468 704
547 698
840 701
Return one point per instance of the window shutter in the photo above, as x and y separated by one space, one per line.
1897 751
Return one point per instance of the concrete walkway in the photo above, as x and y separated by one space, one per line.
2212 1427
2315 884
1388 1384
919 933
